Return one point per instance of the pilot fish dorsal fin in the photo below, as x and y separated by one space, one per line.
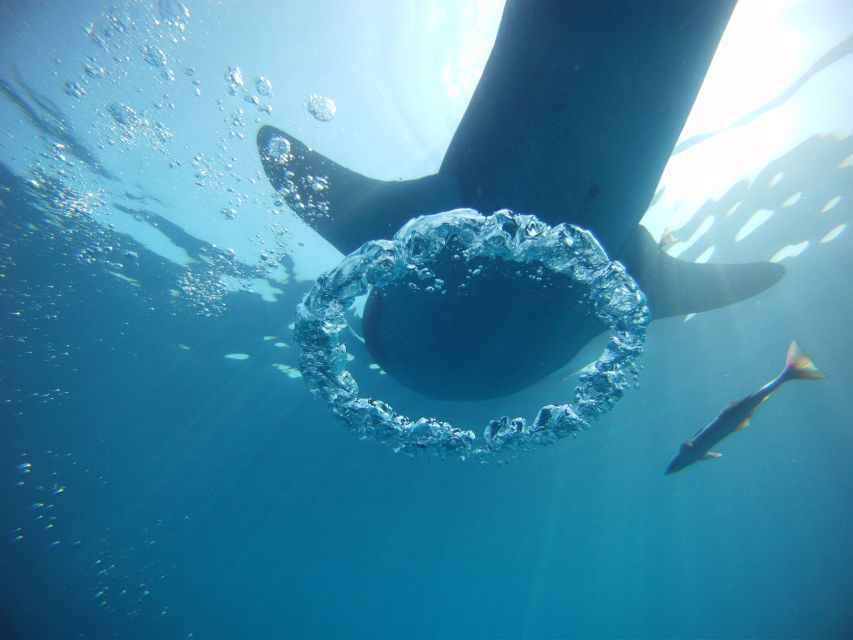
712 454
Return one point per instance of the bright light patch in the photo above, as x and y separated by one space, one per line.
790 251
705 255
689 317
833 233
776 179
733 208
291 372
680 247
237 356
263 288
831 204
131 281
478 38
792 200
847 162
756 220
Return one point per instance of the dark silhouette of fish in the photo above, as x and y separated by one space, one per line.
575 116
736 416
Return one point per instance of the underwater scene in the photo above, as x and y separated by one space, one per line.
426 319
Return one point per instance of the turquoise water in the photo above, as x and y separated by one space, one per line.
152 486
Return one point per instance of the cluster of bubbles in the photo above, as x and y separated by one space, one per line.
321 108
205 293
132 126
173 14
120 578
157 58
146 34
44 491
19 398
117 588
304 193
565 249
114 29
235 85
206 284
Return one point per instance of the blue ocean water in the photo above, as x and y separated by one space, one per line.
154 487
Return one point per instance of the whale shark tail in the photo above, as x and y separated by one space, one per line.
351 209
674 287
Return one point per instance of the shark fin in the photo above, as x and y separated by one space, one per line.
711 455
687 444
674 287
345 207
742 425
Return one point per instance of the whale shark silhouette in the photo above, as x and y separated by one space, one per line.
574 118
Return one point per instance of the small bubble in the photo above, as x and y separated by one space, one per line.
318 183
74 89
94 71
278 150
154 56
174 13
25 467
233 79
263 86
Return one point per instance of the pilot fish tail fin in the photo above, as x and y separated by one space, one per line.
799 366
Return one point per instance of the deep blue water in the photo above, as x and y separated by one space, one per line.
194 495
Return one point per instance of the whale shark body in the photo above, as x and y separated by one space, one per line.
574 118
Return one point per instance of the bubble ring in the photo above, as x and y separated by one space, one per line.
565 249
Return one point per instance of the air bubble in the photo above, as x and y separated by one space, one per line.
233 80
154 56
323 109
565 249
74 89
263 86
174 13
94 71
278 150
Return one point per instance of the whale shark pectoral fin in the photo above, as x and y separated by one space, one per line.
674 287
343 206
